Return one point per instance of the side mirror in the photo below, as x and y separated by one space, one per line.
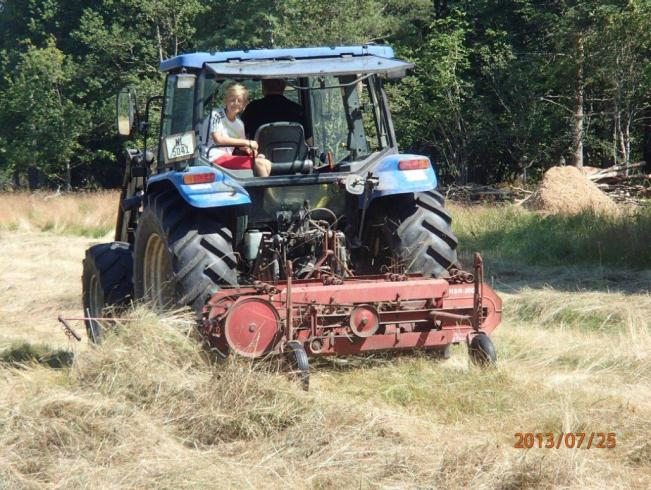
126 111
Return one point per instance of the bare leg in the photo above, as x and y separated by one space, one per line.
262 167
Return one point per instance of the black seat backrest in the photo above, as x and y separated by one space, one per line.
283 143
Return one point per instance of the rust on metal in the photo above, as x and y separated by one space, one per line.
477 310
70 332
289 330
355 314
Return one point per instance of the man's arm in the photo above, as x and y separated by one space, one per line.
307 129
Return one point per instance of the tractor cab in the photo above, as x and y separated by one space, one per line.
339 89
339 160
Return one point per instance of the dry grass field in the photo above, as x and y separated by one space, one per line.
148 410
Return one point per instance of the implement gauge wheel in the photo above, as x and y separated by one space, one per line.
181 255
106 283
299 363
482 351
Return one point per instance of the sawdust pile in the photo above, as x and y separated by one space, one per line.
566 190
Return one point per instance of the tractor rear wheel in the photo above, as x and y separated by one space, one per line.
181 255
411 234
106 283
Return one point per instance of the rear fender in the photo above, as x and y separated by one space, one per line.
394 181
223 191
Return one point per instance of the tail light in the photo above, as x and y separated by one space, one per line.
207 178
418 163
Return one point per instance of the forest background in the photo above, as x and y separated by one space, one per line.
501 89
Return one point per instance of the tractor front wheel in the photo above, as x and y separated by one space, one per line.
106 283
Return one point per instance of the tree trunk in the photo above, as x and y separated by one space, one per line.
32 177
647 138
160 44
577 146
68 177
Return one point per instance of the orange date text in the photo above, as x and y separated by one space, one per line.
569 440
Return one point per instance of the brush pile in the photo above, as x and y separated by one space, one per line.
475 193
624 184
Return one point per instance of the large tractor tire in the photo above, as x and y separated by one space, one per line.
181 255
411 234
106 283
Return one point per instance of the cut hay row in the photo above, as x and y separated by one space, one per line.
147 410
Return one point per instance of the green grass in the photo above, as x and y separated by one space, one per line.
549 311
76 229
88 231
508 233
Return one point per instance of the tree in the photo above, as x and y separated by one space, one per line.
234 24
41 120
428 105
623 48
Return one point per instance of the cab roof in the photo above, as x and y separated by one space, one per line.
349 55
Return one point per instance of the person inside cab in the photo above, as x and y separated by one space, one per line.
273 107
226 128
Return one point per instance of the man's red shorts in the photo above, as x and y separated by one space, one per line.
234 162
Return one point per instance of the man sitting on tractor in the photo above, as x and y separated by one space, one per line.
273 107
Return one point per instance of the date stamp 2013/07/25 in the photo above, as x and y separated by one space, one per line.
569 440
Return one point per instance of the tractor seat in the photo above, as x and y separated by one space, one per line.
283 143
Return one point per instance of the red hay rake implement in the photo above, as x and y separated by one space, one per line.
332 316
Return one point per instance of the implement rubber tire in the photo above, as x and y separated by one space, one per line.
106 283
181 254
482 351
299 363
415 231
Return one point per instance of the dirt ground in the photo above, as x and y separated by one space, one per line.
39 280
574 356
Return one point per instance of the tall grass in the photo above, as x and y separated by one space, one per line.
85 214
513 234
503 232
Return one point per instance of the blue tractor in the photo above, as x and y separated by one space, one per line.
346 203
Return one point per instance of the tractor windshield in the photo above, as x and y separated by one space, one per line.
344 112
345 117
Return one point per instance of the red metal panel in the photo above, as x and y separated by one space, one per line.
460 300
415 340
367 291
